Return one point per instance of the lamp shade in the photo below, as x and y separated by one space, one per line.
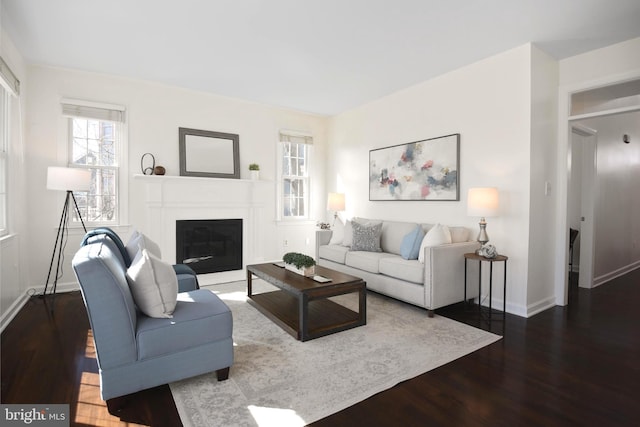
68 179
483 202
335 202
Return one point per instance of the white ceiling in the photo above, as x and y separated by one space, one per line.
321 56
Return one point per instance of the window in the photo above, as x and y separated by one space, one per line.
294 175
96 144
9 86
4 158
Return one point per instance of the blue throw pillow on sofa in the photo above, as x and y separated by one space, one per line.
410 247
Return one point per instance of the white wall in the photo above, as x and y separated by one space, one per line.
544 102
617 222
488 103
154 113
14 260
601 67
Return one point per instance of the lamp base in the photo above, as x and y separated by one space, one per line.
483 237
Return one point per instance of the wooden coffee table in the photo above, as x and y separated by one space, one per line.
301 306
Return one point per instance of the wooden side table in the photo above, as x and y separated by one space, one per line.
480 259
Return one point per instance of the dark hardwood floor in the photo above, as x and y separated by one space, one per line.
567 366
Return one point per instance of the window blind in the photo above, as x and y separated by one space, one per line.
295 138
89 110
8 79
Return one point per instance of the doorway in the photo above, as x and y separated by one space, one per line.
582 201
583 107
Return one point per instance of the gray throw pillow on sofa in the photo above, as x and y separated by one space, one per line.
366 237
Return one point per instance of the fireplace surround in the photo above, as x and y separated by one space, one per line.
209 246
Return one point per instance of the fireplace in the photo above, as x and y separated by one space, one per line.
209 246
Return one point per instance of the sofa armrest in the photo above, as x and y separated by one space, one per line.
444 274
323 237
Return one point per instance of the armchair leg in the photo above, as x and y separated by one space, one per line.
222 374
430 313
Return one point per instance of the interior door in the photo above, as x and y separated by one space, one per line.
586 155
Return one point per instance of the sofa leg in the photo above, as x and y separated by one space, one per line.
430 313
222 374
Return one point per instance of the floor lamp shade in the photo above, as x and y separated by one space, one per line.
68 179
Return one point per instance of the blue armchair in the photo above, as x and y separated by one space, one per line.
137 352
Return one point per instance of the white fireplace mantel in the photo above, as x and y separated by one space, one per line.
167 199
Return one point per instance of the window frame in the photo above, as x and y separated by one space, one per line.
5 109
120 146
302 139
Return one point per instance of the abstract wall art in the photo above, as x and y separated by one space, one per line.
421 170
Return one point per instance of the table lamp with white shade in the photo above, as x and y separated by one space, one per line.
335 203
483 202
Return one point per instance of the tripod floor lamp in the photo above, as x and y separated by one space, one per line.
69 180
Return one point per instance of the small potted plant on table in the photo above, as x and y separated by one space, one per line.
299 263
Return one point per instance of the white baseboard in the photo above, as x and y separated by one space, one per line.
615 273
17 305
496 304
15 308
542 305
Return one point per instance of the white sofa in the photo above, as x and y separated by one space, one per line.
437 282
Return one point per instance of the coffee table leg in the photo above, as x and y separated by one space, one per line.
303 311
249 276
363 305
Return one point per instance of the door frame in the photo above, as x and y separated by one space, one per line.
561 250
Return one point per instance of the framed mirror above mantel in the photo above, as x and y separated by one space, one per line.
209 154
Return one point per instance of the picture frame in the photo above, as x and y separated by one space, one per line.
209 154
425 170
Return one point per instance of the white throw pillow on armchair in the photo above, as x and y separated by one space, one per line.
153 284
138 242
437 235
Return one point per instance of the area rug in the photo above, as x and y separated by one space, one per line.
278 381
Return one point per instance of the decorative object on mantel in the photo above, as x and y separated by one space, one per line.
421 170
299 263
482 202
159 170
149 169
254 169
209 154
335 203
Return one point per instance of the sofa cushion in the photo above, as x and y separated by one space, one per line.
337 233
410 247
348 234
367 261
392 234
438 235
200 317
459 234
335 253
139 241
153 284
409 270
366 237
